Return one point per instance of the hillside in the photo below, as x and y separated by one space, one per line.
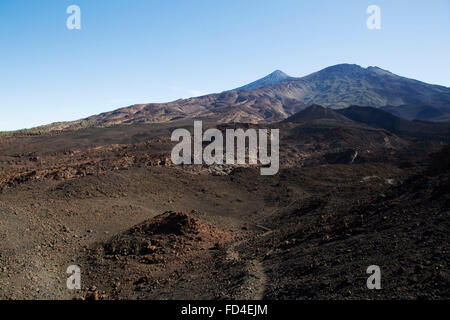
316 112
382 119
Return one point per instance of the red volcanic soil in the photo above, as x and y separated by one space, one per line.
347 196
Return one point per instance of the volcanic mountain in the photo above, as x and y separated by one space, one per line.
278 96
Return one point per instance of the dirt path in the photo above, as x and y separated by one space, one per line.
255 280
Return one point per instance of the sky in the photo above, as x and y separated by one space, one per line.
142 51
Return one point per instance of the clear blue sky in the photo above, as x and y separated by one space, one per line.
140 51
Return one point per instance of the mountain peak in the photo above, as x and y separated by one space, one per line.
272 78
279 73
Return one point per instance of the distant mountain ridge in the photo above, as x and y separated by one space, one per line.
383 119
373 117
278 96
